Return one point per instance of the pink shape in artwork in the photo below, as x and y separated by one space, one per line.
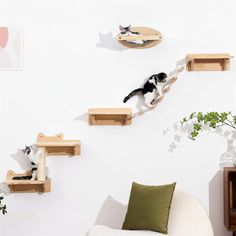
3 37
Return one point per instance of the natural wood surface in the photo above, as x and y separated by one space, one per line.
43 138
138 37
41 173
208 62
109 111
208 56
64 143
56 146
27 186
153 35
110 116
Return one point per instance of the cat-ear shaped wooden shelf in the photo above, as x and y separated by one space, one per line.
150 35
208 62
56 146
47 146
26 186
110 116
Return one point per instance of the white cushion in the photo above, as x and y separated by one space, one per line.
187 218
100 230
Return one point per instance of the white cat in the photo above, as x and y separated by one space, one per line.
128 32
32 153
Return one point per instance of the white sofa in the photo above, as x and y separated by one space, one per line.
187 218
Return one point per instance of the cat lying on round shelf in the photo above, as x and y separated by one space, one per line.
151 87
128 32
32 153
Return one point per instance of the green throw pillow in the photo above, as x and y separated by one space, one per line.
149 207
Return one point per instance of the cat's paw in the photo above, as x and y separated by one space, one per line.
180 69
153 102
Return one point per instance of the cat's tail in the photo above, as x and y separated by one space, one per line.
133 93
22 177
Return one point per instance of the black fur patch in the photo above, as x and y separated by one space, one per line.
22 177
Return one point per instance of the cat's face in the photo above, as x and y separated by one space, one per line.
28 150
161 77
158 78
124 30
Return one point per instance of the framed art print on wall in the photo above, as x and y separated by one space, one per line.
11 48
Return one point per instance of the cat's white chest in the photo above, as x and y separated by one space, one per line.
149 97
138 41
34 157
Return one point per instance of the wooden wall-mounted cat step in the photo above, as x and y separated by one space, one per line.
208 62
110 116
26 186
152 36
56 146
46 146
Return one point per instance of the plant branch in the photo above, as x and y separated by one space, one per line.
212 119
232 126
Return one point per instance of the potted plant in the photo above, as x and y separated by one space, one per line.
198 121
3 207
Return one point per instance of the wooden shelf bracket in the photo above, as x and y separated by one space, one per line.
56 146
208 62
26 186
110 116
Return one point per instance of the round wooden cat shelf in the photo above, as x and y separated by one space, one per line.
153 36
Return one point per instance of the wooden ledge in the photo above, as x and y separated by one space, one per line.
56 146
208 56
110 116
110 111
20 182
26 186
208 62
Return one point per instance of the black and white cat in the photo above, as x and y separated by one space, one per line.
32 153
152 86
127 32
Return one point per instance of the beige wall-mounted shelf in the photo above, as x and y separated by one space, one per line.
110 116
153 36
208 62
26 186
56 146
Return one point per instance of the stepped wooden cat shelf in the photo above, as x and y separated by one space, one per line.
152 36
27 186
110 116
48 146
208 62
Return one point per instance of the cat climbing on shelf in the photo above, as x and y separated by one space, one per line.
152 87
128 32
32 154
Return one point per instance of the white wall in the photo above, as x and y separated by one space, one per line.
68 70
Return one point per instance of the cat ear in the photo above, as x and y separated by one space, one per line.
129 27
23 151
121 27
162 77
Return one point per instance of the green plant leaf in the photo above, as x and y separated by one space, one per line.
213 119
199 116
